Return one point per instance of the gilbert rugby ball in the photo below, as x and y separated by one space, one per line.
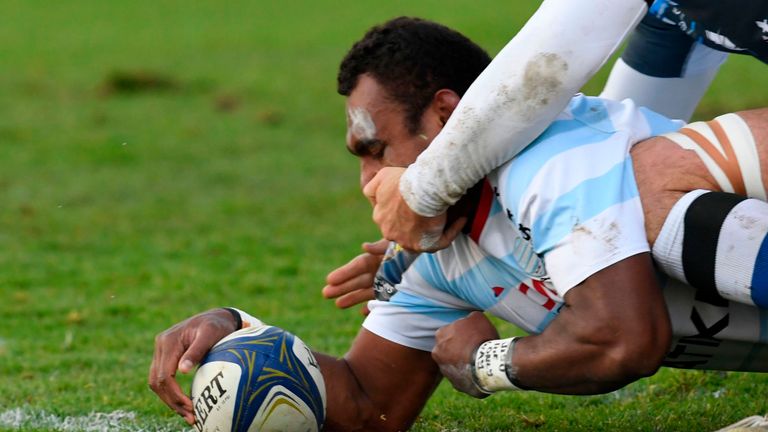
262 379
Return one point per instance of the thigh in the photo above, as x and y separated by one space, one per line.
665 172
668 167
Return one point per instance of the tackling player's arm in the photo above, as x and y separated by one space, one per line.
613 330
377 386
512 101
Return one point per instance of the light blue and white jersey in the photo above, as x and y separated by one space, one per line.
566 207
563 209
573 191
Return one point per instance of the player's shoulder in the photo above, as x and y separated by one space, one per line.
607 116
590 136
590 133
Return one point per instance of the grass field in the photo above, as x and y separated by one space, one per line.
160 158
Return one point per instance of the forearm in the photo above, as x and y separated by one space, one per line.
376 386
613 330
348 408
525 87
572 367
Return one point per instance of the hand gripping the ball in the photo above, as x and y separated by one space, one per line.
181 347
259 378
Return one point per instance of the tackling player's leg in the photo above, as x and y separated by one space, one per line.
717 241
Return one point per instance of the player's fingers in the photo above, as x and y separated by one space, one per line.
477 323
355 298
204 339
162 376
361 264
155 364
179 402
376 248
189 418
347 271
460 376
361 282
371 188
182 405
167 353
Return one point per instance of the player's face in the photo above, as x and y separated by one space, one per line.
377 132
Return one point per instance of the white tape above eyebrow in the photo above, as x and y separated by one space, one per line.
361 124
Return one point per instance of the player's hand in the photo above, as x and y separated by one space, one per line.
181 347
399 223
352 283
456 343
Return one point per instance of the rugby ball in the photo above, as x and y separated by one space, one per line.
260 378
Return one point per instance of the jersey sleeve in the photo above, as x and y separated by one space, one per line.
523 89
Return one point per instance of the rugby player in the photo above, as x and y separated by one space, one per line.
558 246
669 62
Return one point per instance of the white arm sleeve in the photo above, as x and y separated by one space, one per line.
673 97
517 96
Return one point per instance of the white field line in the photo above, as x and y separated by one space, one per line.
115 421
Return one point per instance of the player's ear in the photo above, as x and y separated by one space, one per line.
444 102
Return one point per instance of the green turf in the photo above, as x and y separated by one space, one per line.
224 181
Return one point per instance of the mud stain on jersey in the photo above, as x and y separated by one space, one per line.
610 237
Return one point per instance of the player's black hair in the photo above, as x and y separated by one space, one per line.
412 59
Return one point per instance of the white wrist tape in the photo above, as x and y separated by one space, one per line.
491 368
246 319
